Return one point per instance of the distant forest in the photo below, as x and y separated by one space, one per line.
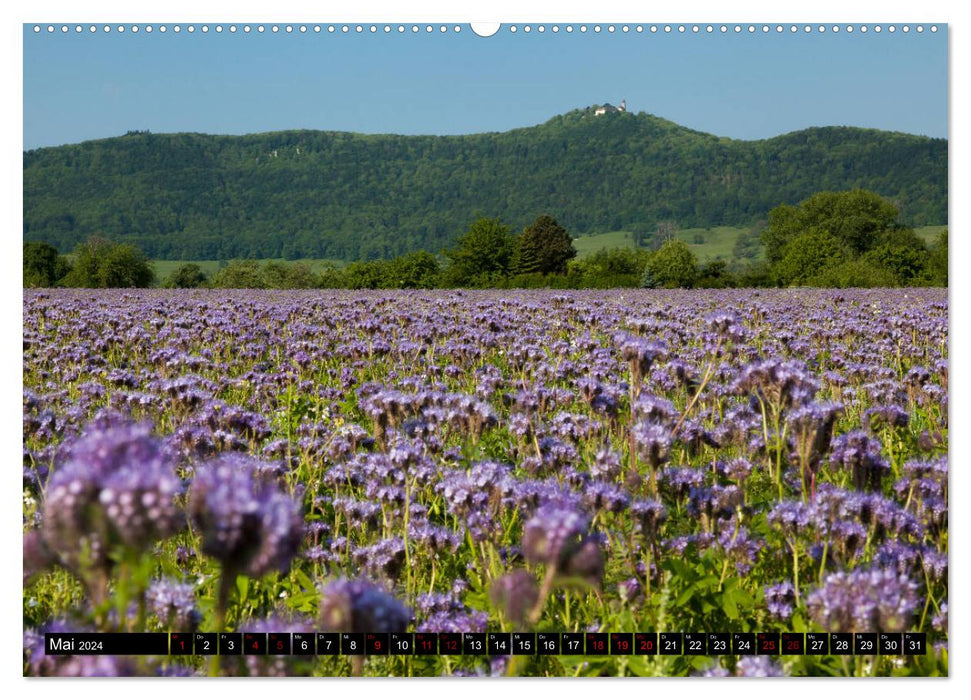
311 194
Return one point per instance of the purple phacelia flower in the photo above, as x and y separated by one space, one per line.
654 409
875 600
383 559
859 454
456 621
939 621
811 428
653 443
738 469
606 464
757 667
640 353
649 515
715 671
245 522
515 594
602 496
779 383
727 325
780 599
630 590
117 487
553 534
678 482
361 606
791 517
174 604
880 417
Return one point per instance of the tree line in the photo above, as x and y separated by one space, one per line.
312 195
832 239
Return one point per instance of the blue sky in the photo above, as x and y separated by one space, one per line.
85 86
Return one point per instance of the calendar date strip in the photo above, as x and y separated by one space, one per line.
486 644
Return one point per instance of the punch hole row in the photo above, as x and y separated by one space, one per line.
248 29
513 29
723 28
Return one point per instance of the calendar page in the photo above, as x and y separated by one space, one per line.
445 349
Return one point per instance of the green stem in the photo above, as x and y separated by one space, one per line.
647 589
795 570
226 580
701 388
407 548
822 562
927 601
779 439
544 593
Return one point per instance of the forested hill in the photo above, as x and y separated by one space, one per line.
354 196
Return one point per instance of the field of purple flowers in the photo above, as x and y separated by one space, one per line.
688 461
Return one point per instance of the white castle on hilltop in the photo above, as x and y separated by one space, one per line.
610 108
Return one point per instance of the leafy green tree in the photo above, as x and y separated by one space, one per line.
125 266
714 275
99 262
806 255
418 270
853 273
84 271
901 252
855 218
784 224
906 265
530 280
544 247
332 277
673 265
40 265
371 274
62 269
483 256
756 274
608 268
937 262
187 276
280 275
647 279
239 274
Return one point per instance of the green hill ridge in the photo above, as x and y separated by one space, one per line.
339 195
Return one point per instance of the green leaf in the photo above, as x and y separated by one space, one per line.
686 594
730 606
304 580
797 623
242 587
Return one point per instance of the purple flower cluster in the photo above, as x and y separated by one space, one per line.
640 442
776 382
780 599
174 605
640 353
246 522
118 487
553 535
859 454
873 600
361 606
